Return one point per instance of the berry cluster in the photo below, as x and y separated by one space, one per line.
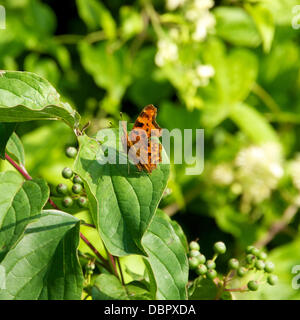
254 262
77 191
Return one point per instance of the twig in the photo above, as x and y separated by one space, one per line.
279 226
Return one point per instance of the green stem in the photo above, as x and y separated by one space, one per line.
265 97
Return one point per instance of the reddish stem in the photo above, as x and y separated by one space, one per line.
21 169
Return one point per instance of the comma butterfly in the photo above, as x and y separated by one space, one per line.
142 143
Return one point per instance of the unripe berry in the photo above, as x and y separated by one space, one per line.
67 202
62 189
194 245
71 152
67 173
272 279
210 264
194 253
77 179
219 247
211 273
193 262
262 256
77 188
252 285
201 258
250 258
241 271
249 249
255 251
82 202
269 266
233 264
260 265
201 269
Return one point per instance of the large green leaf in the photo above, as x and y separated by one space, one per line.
6 130
21 202
25 96
203 289
44 263
167 258
123 200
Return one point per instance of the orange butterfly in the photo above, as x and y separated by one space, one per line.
139 144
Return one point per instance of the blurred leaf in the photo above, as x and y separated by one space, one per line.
265 24
236 26
124 211
15 149
95 15
44 263
252 123
26 96
167 257
21 203
131 22
6 130
110 70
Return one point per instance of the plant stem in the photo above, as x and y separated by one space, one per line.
25 174
265 97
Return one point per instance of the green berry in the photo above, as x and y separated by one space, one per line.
262 256
82 202
67 202
201 258
201 269
210 264
249 249
272 279
71 152
194 253
62 189
77 179
252 285
255 251
241 271
77 188
269 266
194 245
211 273
219 247
233 264
250 258
260 265
67 173
193 262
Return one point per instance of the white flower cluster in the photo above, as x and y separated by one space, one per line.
167 52
223 174
174 4
259 169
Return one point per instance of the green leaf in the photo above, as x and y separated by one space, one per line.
44 263
253 124
264 21
22 201
110 70
95 15
167 258
131 22
236 26
203 289
108 287
15 150
6 130
123 200
26 96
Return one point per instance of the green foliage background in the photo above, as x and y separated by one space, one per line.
102 57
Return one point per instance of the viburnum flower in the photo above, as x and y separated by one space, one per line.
174 4
167 52
223 174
